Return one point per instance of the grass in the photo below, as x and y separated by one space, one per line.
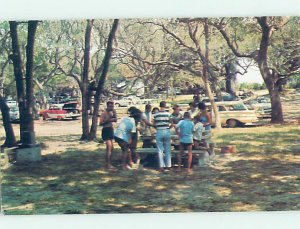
262 176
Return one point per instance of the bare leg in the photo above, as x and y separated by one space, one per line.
129 157
109 149
137 158
190 158
124 158
196 144
179 158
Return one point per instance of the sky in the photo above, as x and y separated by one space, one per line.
252 76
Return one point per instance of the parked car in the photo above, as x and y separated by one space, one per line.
11 103
125 102
233 114
68 110
225 97
14 113
262 105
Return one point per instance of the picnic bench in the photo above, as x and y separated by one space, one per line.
201 153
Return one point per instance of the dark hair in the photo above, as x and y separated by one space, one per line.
187 114
130 109
202 106
155 109
109 102
175 106
162 104
148 106
135 113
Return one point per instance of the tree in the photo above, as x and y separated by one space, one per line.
101 82
140 46
264 29
24 91
82 61
10 139
200 63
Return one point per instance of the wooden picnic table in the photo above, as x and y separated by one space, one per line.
201 153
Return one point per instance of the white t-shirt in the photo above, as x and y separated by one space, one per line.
125 128
145 128
198 131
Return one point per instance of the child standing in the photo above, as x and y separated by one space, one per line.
198 131
184 130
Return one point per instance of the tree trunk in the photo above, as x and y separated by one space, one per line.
85 81
108 52
229 79
29 115
270 79
25 100
17 64
277 114
205 78
10 139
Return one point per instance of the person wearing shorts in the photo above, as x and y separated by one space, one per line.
123 136
106 121
184 130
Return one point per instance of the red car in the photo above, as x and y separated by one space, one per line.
66 111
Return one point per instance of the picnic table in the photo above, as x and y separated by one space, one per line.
201 153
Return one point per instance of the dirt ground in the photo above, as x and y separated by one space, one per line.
262 176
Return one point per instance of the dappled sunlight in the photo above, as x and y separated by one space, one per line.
104 180
71 184
182 186
222 191
49 178
252 143
283 178
148 184
177 195
258 175
160 187
23 208
240 206
72 179
102 172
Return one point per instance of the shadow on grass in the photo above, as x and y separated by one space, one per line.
76 182
62 138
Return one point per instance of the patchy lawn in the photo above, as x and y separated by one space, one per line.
263 175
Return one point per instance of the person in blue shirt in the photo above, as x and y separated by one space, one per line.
184 130
124 134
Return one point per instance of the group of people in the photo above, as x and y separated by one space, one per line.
192 127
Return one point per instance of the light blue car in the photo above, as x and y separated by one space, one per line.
14 113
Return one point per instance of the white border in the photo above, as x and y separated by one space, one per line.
82 9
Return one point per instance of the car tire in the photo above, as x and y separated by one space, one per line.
117 105
44 118
231 123
74 118
59 118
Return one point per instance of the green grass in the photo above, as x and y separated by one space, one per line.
263 175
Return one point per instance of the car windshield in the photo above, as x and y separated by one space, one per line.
70 106
239 107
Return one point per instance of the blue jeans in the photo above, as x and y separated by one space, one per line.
163 143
